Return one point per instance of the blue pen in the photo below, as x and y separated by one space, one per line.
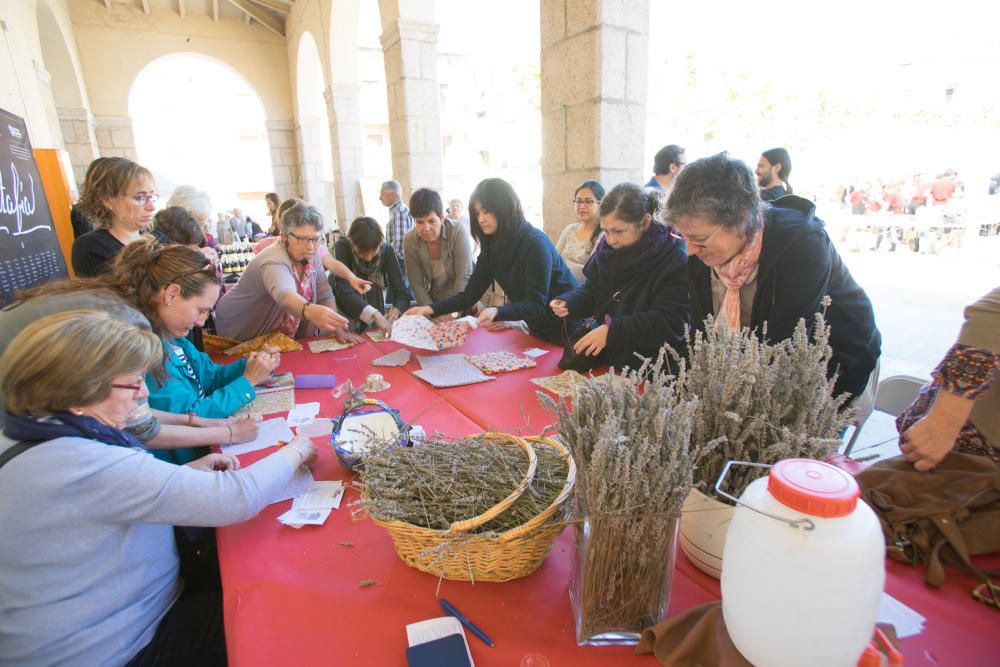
449 609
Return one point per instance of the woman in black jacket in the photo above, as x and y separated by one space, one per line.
766 267
636 288
521 258
366 253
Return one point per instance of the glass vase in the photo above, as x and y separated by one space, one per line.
622 576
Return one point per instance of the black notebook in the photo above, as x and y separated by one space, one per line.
437 642
448 651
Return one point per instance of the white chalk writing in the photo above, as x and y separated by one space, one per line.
14 200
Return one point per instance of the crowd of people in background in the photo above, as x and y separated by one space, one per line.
110 364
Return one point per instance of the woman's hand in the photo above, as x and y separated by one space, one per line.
592 343
259 366
559 307
486 316
327 319
360 286
382 323
245 428
932 436
214 462
305 447
345 336
425 311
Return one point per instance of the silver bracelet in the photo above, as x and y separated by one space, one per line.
230 433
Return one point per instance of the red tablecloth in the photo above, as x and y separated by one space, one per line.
293 596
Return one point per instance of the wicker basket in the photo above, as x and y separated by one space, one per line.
459 555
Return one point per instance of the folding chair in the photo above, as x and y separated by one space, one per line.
894 394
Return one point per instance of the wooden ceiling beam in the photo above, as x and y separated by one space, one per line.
259 15
275 5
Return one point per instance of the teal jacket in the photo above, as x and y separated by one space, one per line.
225 388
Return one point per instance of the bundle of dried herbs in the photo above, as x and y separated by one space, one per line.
441 481
764 402
630 436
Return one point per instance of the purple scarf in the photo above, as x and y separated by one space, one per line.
64 424
622 265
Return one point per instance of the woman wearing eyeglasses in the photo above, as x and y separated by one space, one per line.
365 252
577 242
119 197
94 577
521 258
284 288
635 294
766 267
169 289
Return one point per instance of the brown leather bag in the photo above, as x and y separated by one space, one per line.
942 516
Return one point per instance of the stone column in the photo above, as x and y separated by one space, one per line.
80 139
309 134
409 49
343 103
284 158
115 137
594 60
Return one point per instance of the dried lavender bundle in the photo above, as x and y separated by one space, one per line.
630 436
768 401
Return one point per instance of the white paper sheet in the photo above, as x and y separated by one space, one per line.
301 482
296 518
906 621
325 496
271 433
303 413
535 352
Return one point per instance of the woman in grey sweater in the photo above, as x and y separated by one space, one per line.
89 571
438 252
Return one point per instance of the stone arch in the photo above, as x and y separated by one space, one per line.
66 97
187 104
312 127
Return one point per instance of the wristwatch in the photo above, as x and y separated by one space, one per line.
302 314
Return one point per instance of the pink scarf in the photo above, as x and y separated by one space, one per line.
304 287
734 274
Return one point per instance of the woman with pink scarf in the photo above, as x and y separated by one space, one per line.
765 267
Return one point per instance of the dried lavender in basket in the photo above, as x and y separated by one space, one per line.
767 401
630 436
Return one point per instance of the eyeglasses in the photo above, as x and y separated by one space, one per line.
136 388
585 202
691 244
309 240
142 198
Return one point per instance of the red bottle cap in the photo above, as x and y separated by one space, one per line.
813 487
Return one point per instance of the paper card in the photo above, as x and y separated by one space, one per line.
275 383
906 621
535 352
443 360
329 344
270 433
326 495
303 413
296 518
561 385
492 363
301 482
400 357
414 331
452 375
269 404
379 336
449 334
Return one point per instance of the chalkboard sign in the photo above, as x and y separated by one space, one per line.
29 249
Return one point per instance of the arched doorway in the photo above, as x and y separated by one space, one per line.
196 121
313 129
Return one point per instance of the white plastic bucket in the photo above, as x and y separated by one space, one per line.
802 587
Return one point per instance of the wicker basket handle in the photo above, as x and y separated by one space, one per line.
493 512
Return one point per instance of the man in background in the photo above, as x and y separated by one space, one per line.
667 163
773 169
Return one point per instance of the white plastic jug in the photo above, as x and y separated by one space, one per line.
803 568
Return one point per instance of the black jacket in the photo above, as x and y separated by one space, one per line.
798 267
651 310
353 303
531 273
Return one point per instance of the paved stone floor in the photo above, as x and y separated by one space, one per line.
918 300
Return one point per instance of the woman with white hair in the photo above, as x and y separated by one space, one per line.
198 204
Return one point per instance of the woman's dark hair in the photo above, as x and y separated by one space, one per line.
498 197
721 189
177 225
424 202
273 198
365 234
630 203
140 271
598 190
